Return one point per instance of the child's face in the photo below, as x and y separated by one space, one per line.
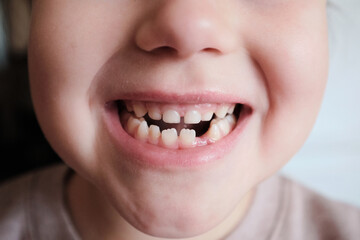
87 55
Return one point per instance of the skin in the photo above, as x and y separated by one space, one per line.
272 53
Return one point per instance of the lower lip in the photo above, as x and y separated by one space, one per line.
158 157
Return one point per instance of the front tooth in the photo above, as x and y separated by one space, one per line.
221 111
169 136
224 126
187 137
214 132
154 134
139 109
143 131
192 117
154 113
207 116
132 124
171 116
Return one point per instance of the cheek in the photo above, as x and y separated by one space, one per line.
294 63
64 58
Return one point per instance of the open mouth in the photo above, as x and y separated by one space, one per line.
179 126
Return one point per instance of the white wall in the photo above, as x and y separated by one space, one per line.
330 160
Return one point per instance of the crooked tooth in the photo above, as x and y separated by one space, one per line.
187 137
139 109
169 137
154 134
224 126
142 132
221 111
214 132
231 109
207 116
171 116
132 124
192 117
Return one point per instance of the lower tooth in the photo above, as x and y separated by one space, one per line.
187 137
169 137
143 131
214 132
154 134
231 119
132 124
224 126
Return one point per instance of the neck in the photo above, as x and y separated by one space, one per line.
95 218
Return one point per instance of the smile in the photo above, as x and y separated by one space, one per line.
176 133
178 126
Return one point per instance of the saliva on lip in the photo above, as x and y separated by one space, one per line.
161 118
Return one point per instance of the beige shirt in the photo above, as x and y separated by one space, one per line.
33 207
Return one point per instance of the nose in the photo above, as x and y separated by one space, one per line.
186 27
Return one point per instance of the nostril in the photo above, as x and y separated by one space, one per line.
164 50
212 50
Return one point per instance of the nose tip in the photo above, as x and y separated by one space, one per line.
185 27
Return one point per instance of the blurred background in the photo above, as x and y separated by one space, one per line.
329 162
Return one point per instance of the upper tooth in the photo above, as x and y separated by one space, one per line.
139 109
169 136
143 131
171 116
129 107
192 117
154 134
231 109
207 116
154 113
187 137
221 111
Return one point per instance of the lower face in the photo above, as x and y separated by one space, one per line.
172 121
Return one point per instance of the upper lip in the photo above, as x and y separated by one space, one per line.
183 98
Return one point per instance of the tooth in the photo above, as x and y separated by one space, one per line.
207 116
221 111
224 126
154 113
192 117
169 136
187 137
132 124
231 109
143 131
129 107
214 132
154 134
231 119
171 116
139 109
